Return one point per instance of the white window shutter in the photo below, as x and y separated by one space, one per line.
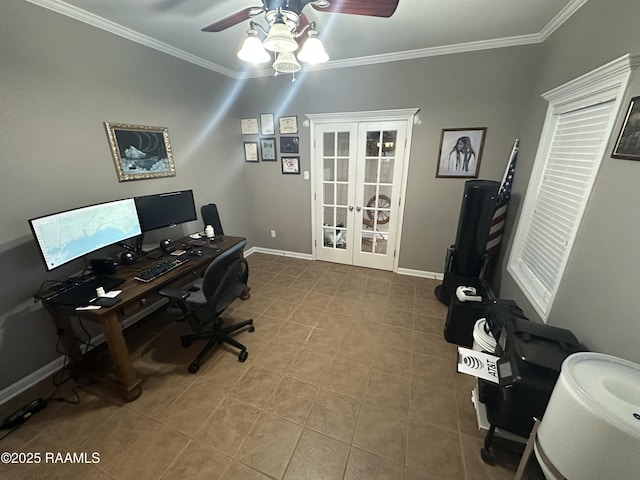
579 123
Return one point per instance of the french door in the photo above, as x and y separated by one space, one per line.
358 180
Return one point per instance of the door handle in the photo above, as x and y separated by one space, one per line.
358 209
351 208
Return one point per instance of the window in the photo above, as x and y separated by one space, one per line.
577 127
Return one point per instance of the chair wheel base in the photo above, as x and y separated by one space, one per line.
185 343
193 368
242 356
252 328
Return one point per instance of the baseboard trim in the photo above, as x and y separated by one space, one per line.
53 366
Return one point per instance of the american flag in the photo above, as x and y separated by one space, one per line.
496 228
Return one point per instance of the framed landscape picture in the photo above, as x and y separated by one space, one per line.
139 151
628 143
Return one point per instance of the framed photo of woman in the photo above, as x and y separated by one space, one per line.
460 152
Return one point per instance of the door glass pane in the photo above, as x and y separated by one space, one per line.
328 197
366 242
341 193
386 170
371 170
373 144
342 174
341 216
328 170
327 217
381 244
328 144
343 144
389 143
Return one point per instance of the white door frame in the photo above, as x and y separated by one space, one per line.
408 115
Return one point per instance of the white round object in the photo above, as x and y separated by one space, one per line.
483 340
591 427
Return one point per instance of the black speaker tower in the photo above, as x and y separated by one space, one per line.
466 259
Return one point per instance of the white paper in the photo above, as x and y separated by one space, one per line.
478 364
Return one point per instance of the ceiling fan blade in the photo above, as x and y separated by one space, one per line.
370 8
234 19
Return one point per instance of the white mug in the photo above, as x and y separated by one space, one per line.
208 231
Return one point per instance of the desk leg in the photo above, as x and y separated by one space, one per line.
121 357
69 340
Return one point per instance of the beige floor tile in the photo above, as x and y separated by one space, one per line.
280 309
357 350
432 370
192 409
239 471
428 324
310 367
159 443
269 445
324 341
442 459
395 337
335 415
228 426
434 404
383 432
392 361
388 391
347 378
293 333
364 465
256 386
293 400
317 457
306 315
197 462
220 374
116 435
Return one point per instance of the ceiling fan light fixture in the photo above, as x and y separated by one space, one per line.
280 39
286 63
313 51
252 49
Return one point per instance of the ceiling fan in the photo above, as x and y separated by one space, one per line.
291 10
287 24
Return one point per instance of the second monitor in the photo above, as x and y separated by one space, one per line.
165 209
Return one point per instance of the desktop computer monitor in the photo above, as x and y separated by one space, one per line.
65 236
165 209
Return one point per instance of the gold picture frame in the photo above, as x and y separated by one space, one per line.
140 152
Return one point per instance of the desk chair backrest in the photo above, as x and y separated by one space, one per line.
210 216
225 278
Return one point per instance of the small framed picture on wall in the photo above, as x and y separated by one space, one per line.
291 165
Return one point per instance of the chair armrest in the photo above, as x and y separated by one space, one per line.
174 294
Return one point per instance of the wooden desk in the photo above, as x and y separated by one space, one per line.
135 296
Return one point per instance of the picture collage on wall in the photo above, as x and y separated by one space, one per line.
269 143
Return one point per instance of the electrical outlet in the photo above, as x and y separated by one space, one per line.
273 234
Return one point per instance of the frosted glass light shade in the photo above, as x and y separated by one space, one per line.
280 39
286 63
313 51
252 50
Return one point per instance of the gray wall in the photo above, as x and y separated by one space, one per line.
598 297
60 79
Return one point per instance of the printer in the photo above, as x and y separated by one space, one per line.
531 355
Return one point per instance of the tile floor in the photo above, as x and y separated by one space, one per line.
348 378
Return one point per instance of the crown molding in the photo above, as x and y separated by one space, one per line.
109 26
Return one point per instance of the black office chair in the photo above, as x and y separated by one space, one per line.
210 216
224 280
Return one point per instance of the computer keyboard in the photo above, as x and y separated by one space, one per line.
160 268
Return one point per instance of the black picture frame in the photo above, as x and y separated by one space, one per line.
289 145
460 152
268 149
627 145
251 152
290 165
267 124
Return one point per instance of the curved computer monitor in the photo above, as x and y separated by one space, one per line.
66 236
165 209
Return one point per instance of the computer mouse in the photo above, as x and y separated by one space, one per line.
196 252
